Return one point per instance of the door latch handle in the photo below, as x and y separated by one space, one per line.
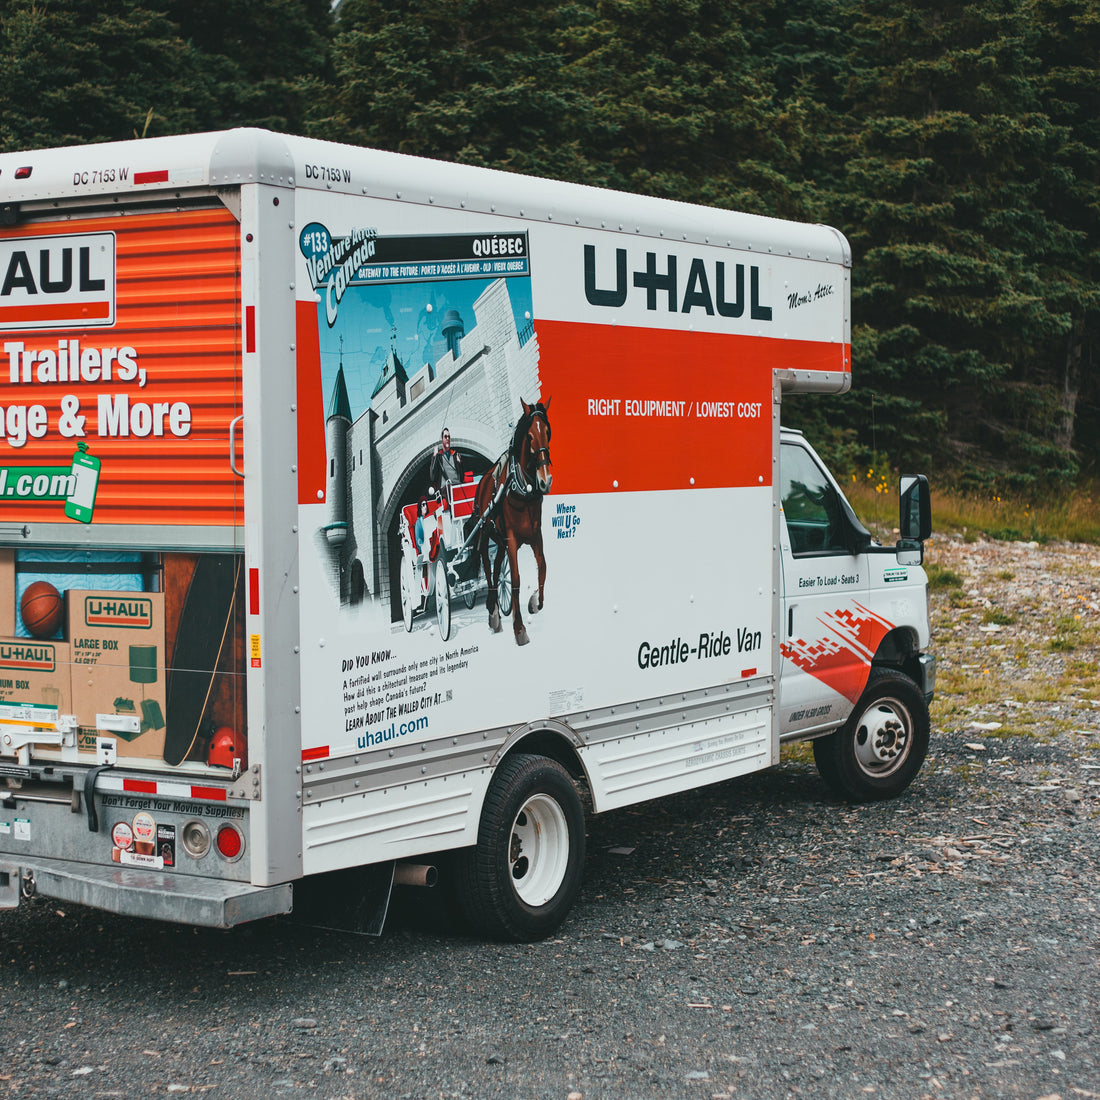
233 445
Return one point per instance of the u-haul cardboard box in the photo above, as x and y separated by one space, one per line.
34 674
118 682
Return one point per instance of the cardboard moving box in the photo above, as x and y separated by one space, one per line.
35 673
118 682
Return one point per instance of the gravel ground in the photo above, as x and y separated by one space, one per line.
754 939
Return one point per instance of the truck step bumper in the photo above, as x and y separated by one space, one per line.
926 670
180 898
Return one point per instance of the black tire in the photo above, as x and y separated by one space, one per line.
442 597
408 592
521 879
877 753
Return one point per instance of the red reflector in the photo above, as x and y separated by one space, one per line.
22 173
151 177
250 328
230 842
216 794
253 592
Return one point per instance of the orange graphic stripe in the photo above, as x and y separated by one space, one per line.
311 408
635 409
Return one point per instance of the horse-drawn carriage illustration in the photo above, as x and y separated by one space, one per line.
443 563
480 523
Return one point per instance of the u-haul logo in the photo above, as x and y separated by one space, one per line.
57 282
27 657
135 613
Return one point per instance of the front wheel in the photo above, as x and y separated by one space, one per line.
521 879
408 592
877 753
504 584
442 598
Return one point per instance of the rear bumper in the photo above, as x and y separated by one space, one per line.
181 899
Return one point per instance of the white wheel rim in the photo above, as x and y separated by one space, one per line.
883 738
538 850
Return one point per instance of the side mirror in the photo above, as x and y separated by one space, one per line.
915 522
910 552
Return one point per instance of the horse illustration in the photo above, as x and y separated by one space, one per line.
509 497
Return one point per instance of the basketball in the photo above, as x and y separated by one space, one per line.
42 609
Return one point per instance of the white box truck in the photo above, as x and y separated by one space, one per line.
356 508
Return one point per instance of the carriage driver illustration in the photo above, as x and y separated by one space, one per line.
446 468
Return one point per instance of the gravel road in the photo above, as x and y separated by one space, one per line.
754 939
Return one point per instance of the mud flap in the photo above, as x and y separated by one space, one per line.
355 899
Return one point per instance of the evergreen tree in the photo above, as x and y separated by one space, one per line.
673 101
948 148
655 96
77 71
475 81
1069 49
257 59
955 143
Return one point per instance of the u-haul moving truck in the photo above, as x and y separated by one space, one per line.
355 508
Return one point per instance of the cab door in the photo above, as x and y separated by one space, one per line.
828 631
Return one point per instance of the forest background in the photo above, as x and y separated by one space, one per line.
957 146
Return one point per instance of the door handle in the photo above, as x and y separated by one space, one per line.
233 445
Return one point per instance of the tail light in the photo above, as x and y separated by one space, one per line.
230 842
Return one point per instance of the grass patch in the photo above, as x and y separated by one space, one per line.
967 771
797 752
1082 675
941 578
975 688
1000 618
1073 518
1067 635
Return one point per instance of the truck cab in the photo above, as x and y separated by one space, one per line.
853 674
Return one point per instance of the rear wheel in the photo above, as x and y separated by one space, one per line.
877 753
521 879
